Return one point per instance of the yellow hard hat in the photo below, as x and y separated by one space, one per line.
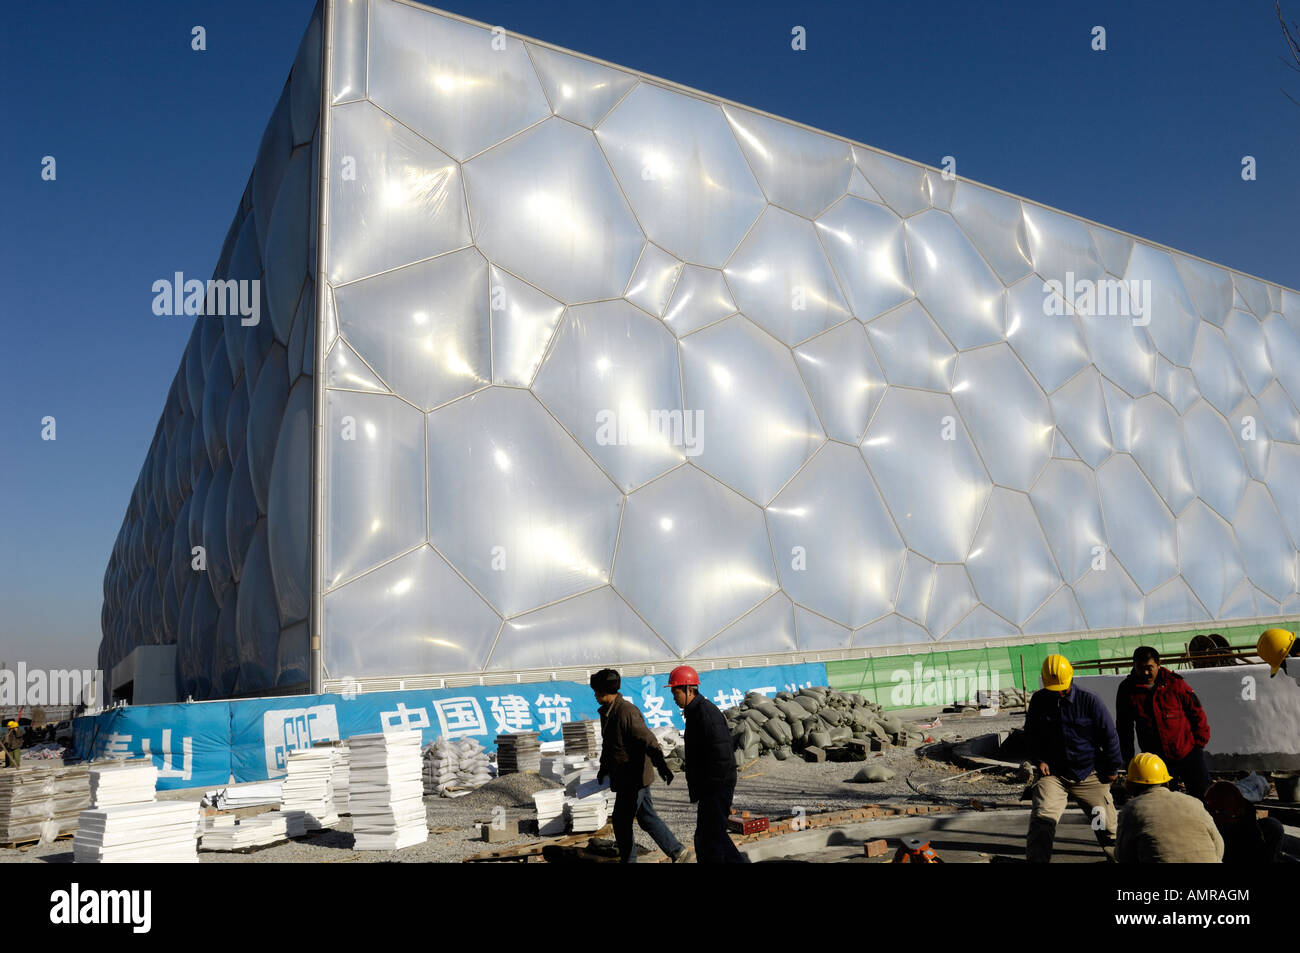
12 724
1147 768
1274 646
1058 673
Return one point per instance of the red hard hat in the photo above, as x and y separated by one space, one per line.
683 675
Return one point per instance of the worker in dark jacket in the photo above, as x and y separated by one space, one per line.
1169 719
710 768
13 745
629 756
1072 741
1247 839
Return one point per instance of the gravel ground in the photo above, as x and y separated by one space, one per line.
767 787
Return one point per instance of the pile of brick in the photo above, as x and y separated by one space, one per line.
818 722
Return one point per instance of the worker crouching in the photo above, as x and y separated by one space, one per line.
1160 826
1073 743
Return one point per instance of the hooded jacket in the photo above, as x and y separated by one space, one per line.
1168 717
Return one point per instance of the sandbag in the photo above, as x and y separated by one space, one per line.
753 751
768 708
810 703
740 757
748 738
873 775
891 723
781 753
841 733
797 732
831 716
755 717
819 739
792 711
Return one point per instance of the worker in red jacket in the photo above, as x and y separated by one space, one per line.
1168 717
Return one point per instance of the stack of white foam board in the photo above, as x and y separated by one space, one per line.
340 777
550 812
156 832
306 795
582 738
41 801
583 773
134 783
227 833
248 795
587 814
519 753
386 794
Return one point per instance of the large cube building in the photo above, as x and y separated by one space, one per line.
562 366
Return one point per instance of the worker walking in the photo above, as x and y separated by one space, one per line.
629 756
1072 741
1160 826
710 768
1168 717
13 745
1275 646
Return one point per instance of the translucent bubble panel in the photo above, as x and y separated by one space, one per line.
1141 527
996 226
612 380
799 170
700 298
1217 467
769 628
587 629
680 166
1207 555
424 329
1266 549
914 352
413 615
756 423
515 505
1007 413
1010 561
374 459
782 280
837 549
394 198
693 557
928 471
1042 329
953 282
1065 499
546 207
1173 318
1060 246
460 86
844 379
901 184
523 320
865 244
579 90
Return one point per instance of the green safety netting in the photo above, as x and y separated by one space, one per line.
940 676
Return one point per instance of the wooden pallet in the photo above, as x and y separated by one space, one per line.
30 842
522 853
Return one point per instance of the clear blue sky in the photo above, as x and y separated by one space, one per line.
154 143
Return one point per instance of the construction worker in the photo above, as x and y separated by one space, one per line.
1072 741
1275 646
710 768
629 756
1160 826
1246 839
13 745
1169 719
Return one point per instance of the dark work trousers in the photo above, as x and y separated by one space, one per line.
635 803
713 845
1192 772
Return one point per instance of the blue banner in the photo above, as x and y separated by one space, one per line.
211 743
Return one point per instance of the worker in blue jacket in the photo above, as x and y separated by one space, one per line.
1073 743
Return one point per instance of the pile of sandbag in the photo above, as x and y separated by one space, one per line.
817 717
673 746
453 768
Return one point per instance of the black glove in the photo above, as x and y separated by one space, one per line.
667 775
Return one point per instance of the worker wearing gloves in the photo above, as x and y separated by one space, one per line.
1160 826
1275 646
13 745
629 756
1169 719
710 768
1072 740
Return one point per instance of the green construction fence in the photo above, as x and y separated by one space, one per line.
939 676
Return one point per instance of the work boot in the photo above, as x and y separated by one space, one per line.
1039 840
684 856
1107 842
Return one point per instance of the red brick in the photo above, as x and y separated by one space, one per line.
876 848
